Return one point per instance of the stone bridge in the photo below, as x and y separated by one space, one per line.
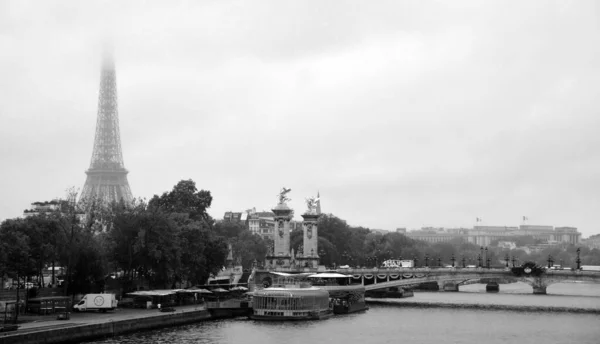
451 278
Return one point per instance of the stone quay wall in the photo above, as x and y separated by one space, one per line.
80 332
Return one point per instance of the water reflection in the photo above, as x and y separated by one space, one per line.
398 323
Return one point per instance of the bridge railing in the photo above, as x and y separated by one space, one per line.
417 270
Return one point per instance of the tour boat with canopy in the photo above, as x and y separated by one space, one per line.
299 302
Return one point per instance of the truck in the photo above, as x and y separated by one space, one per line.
590 267
397 263
96 302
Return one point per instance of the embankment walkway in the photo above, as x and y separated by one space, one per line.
93 325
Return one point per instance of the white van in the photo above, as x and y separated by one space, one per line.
101 302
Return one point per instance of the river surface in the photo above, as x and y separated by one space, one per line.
396 323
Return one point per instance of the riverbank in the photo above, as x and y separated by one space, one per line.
513 298
490 307
89 326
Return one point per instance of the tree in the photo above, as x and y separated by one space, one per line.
229 229
248 247
184 198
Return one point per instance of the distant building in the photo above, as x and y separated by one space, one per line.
42 207
235 217
401 230
261 223
435 234
484 235
592 242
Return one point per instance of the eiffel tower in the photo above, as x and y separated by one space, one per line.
107 177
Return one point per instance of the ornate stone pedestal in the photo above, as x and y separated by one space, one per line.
310 256
281 257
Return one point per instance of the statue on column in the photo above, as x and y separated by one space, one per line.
283 199
311 205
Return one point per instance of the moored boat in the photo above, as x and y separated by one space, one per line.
344 296
291 303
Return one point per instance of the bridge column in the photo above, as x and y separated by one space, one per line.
492 287
539 286
449 286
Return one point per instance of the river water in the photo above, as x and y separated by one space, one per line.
394 322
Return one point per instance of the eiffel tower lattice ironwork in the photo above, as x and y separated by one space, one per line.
107 177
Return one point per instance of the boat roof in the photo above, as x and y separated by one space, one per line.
329 275
287 292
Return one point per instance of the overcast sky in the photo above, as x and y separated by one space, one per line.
401 113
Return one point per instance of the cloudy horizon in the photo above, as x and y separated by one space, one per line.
401 114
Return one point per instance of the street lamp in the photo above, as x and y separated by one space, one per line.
578 261
463 261
452 259
486 257
426 260
439 262
513 261
479 261
506 259
550 261
416 261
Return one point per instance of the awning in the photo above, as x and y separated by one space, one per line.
154 292
199 291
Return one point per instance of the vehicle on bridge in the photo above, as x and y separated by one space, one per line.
590 267
398 263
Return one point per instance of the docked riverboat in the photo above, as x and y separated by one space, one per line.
344 296
297 302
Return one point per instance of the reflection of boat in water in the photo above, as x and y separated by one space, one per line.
344 296
290 303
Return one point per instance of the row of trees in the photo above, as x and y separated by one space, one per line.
164 242
342 244
172 241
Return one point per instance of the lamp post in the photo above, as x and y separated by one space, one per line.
439 262
506 259
550 261
426 260
487 259
416 261
578 261
463 261
513 261
453 259
479 264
